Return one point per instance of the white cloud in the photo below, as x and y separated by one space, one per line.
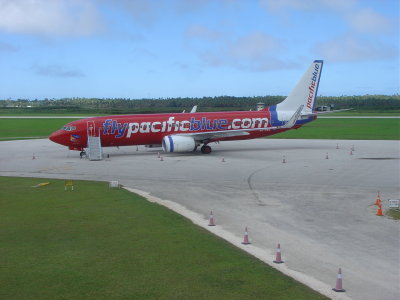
369 21
363 27
363 20
56 71
142 12
307 5
340 5
253 46
6 47
255 51
350 48
190 6
277 6
202 32
147 13
266 63
49 18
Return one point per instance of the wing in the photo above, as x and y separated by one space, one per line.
316 113
212 135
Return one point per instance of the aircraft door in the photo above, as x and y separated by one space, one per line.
91 128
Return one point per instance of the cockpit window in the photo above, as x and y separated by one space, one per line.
69 128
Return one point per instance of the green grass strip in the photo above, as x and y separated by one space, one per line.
393 213
346 129
34 128
101 243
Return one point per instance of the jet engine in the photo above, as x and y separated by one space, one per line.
176 143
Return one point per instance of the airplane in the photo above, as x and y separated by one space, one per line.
185 132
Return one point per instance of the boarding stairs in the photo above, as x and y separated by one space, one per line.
94 150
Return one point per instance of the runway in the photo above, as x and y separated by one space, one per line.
319 209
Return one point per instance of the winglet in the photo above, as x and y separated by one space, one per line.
294 118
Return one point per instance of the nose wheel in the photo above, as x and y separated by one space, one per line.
206 149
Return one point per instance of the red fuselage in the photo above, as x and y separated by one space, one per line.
142 129
186 131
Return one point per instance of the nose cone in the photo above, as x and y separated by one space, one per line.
59 137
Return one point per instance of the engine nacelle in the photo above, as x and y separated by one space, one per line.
176 143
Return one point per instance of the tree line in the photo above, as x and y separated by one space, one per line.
122 105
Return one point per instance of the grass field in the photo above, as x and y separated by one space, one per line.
29 128
101 243
82 112
346 129
352 129
366 113
393 213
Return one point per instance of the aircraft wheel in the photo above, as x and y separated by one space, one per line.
83 153
206 149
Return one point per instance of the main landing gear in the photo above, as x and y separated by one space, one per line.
206 149
82 154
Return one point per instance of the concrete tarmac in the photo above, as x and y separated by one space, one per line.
318 204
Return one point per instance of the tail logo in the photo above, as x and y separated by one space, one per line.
311 88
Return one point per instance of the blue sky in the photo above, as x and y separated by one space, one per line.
195 48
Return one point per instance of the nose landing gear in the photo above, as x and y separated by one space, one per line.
82 154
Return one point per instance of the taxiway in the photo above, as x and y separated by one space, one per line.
319 209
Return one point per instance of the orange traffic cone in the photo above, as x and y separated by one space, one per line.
379 212
378 200
278 258
339 287
246 237
211 222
